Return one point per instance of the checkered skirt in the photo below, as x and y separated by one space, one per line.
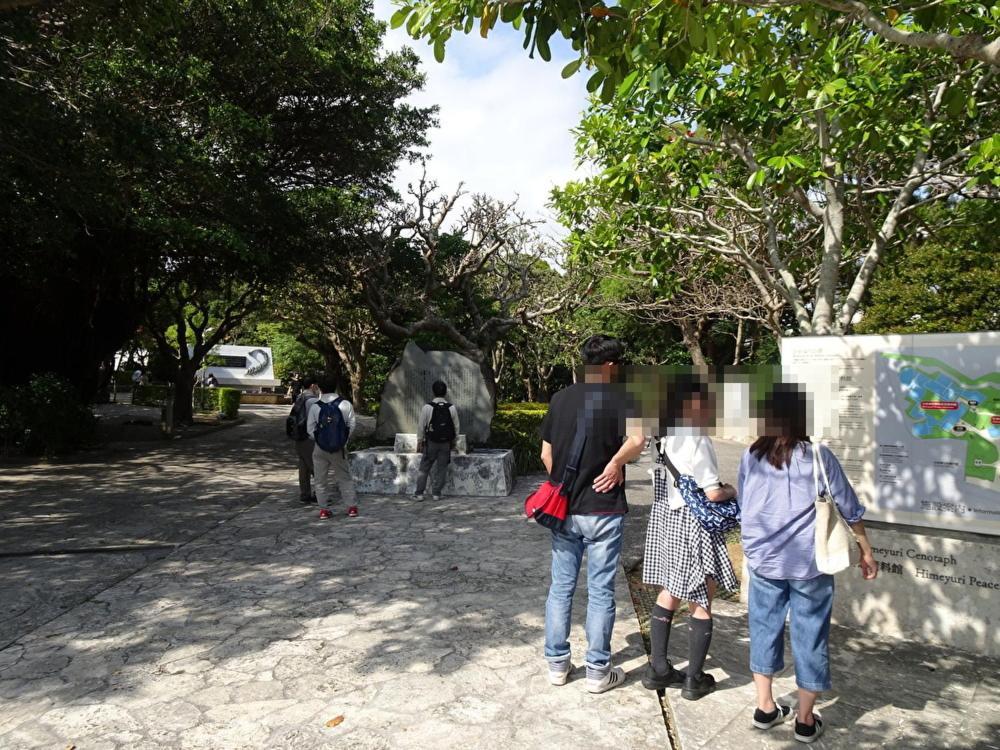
680 553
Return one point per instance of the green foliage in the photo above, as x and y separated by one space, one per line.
181 153
229 402
616 42
521 407
151 395
518 426
946 280
206 399
739 162
44 417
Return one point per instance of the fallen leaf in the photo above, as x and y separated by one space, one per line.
335 721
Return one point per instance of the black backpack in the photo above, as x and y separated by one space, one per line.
441 428
295 422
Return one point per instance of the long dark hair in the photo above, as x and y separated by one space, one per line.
785 426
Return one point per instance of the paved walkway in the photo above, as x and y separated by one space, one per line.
240 621
70 529
419 625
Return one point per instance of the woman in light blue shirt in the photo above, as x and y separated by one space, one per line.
777 494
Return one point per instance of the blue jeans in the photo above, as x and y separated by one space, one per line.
811 602
601 536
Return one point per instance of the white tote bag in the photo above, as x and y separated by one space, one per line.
835 545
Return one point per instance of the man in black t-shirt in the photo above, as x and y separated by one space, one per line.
597 509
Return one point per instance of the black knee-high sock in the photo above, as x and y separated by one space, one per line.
660 621
699 639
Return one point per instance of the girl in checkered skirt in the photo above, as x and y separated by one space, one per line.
681 557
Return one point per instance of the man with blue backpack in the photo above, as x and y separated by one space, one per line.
436 432
330 423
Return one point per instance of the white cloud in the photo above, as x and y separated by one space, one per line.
504 119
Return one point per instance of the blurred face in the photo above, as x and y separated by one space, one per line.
606 373
699 411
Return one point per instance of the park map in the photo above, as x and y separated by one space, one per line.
945 404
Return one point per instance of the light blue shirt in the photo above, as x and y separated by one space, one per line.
777 507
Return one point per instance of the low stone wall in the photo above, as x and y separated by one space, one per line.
935 586
406 442
483 473
264 398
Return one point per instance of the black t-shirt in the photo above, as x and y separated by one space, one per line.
605 407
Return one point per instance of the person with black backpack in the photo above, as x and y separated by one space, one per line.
295 428
436 433
330 423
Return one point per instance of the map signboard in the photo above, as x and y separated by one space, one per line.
915 420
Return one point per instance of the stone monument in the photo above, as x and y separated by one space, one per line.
408 388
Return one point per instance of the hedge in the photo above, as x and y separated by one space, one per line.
518 426
229 402
44 417
151 395
206 399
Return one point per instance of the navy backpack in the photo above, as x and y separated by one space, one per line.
331 427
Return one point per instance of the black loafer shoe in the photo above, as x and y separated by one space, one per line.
697 687
653 680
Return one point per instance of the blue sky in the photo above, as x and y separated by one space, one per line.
504 118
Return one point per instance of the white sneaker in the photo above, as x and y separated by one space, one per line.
559 676
614 678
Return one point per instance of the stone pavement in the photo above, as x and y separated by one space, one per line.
419 624
234 619
72 528
891 694
887 693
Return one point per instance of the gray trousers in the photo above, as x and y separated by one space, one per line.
304 450
434 463
336 463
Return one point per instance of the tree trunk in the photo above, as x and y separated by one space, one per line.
739 342
489 375
358 373
184 393
529 387
691 335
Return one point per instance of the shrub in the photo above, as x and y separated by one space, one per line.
229 402
45 417
519 406
151 395
207 399
518 426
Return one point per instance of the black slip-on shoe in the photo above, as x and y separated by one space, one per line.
697 687
809 733
763 720
653 680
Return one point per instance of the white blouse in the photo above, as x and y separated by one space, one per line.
693 455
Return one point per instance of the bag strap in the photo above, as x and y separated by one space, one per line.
576 450
667 462
818 461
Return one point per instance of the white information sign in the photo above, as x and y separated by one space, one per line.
914 419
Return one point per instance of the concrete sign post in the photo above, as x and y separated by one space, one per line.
915 421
